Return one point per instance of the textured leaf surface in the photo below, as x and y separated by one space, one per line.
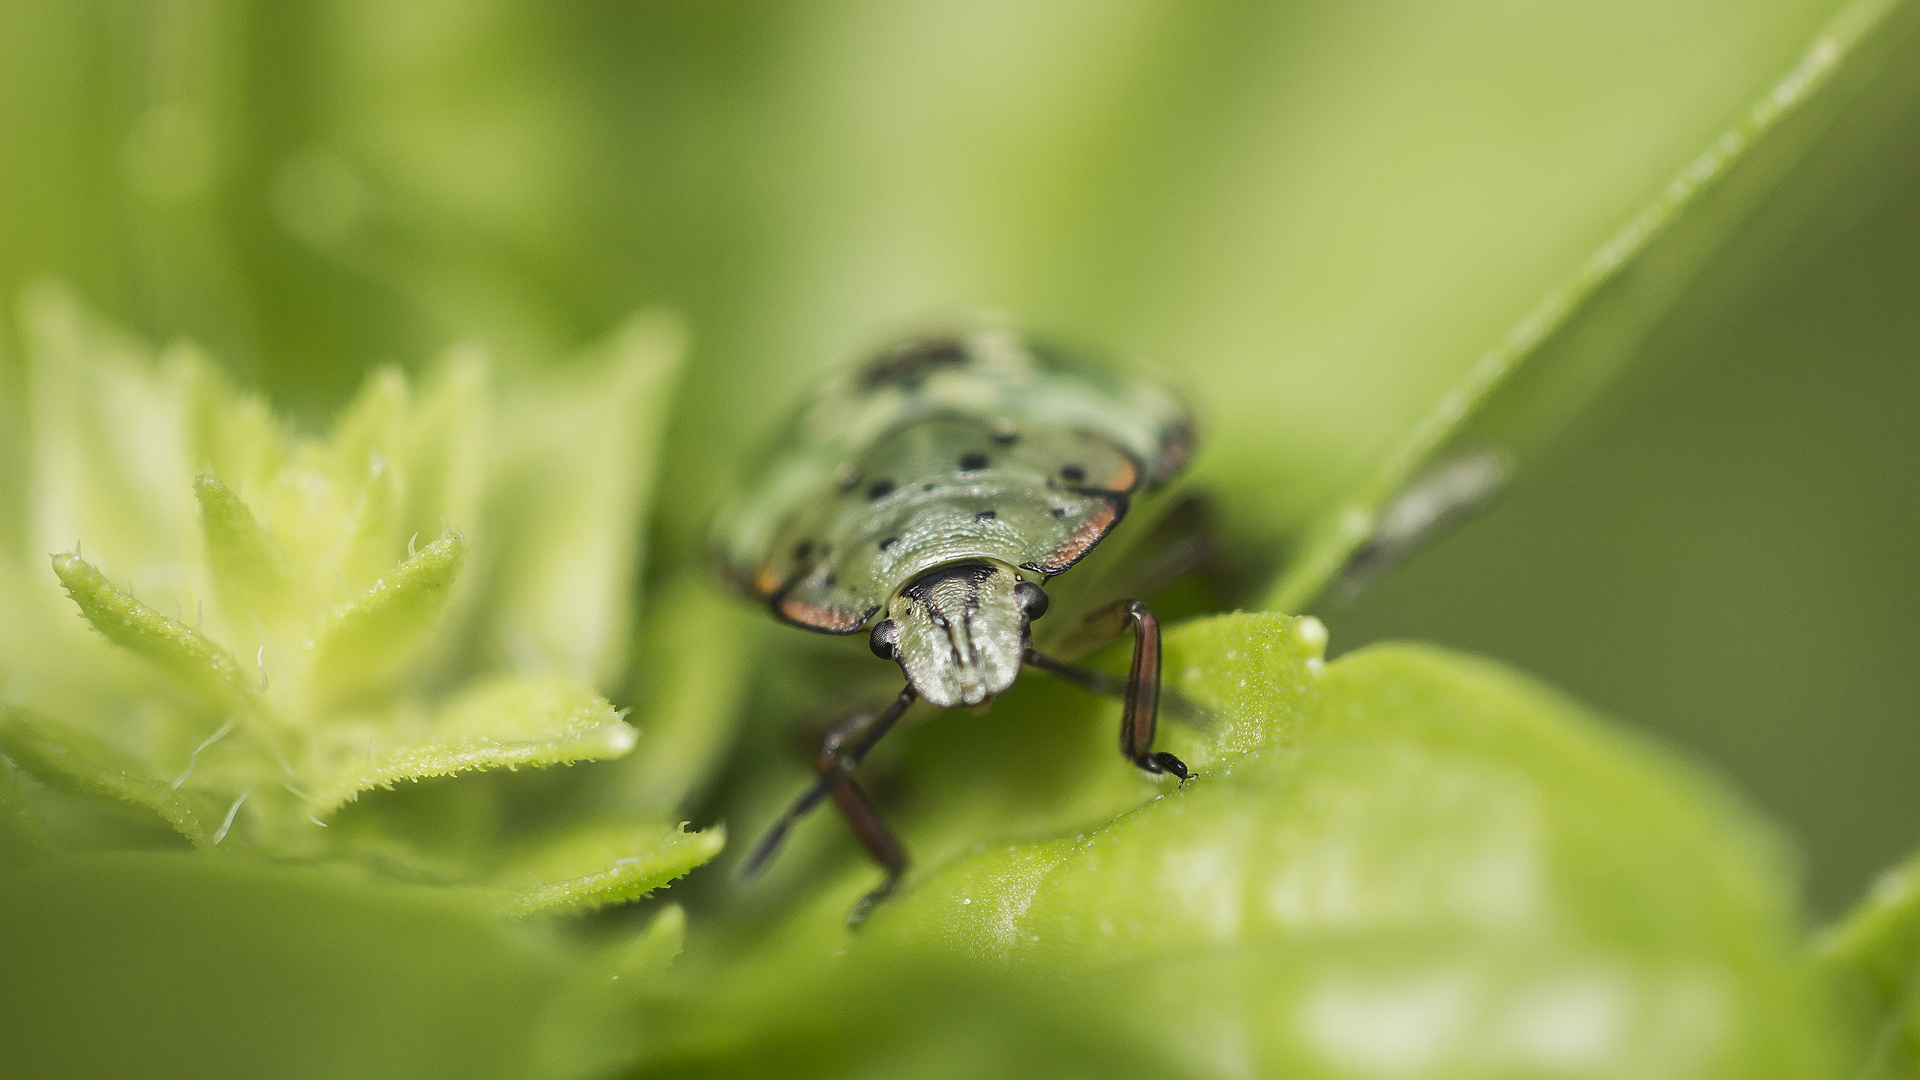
173 646
604 863
368 639
507 723
1400 863
61 755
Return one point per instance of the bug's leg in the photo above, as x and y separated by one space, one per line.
1172 702
1140 708
836 771
862 817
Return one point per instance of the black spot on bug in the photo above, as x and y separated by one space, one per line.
926 487
1073 474
803 549
1059 511
984 515
973 462
880 489
827 582
908 365
887 544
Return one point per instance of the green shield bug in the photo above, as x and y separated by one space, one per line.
926 496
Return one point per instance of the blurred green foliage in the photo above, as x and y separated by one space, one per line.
1323 218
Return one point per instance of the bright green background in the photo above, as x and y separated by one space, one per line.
1317 215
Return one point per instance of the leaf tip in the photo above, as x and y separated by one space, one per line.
69 567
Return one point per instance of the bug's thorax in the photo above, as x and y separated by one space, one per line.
959 632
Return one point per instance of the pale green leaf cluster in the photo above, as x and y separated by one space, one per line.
243 629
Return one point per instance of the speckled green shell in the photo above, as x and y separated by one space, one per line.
976 444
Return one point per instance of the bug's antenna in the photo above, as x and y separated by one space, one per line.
770 841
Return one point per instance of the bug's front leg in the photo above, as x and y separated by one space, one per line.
1140 708
836 762
862 816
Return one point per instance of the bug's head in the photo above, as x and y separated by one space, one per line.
959 631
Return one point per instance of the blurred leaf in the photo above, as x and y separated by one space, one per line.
107 454
1583 332
238 440
445 446
1872 963
22 837
594 1026
603 863
574 466
181 965
692 678
61 755
250 572
1401 862
649 953
14 434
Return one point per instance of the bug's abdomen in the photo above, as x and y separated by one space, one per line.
972 444
950 489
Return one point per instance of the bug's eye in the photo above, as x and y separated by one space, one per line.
885 641
1032 598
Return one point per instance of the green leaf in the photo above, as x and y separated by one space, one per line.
368 640
1580 335
177 965
502 723
1404 862
691 684
62 756
599 864
648 953
250 572
1871 962
576 464
597 1017
108 456
232 435
14 436
22 836
444 447
172 646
